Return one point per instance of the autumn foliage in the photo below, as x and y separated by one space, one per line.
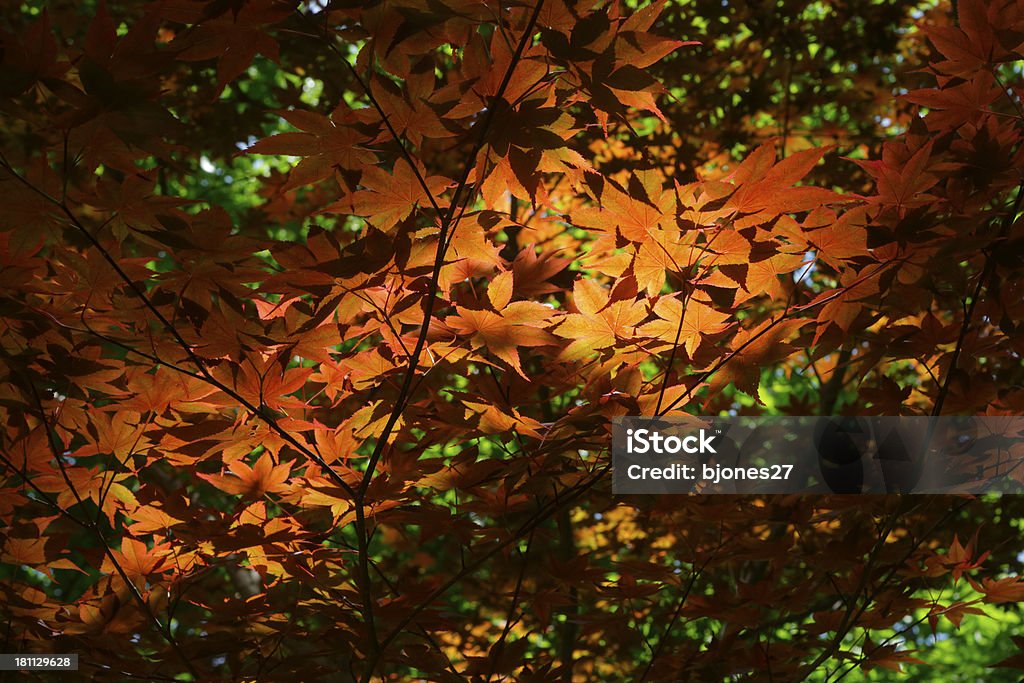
350 419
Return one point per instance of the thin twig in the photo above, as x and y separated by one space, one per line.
986 274
447 228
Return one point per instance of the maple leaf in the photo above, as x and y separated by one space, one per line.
412 112
765 275
659 255
508 326
996 591
840 308
753 349
137 560
765 188
534 271
264 383
150 518
157 391
600 322
636 214
325 143
888 657
30 551
970 45
620 48
687 324
529 139
390 198
473 240
953 106
30 56
104 488
961 559
837 240
901 178
234 41
255 481
118 434
955 613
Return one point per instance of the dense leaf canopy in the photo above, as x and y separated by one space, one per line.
315 316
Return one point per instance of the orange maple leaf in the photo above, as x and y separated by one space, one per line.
389 198
1009 589
136 559
263 477
600 322
684 325
510 325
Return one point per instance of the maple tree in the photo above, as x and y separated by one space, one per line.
315 316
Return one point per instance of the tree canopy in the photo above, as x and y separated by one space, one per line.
315 316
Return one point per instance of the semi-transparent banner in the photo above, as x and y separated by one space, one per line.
818 455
